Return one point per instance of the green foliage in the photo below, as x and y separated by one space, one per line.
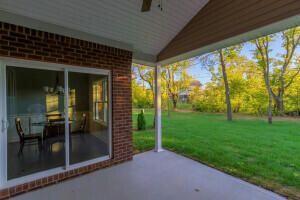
249 90
292 98
211 99
141 121
141 96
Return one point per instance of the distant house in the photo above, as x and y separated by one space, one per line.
184 96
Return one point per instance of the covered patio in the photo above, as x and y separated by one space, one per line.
150 176
104 38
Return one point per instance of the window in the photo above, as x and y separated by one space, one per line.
100 101
51 103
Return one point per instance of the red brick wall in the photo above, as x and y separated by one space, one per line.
24 43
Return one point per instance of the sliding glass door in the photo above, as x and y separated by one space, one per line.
56 118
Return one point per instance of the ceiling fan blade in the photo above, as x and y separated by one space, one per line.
146 5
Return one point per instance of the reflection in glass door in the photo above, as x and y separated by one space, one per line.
35 113
88 116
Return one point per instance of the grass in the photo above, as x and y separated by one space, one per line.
249 148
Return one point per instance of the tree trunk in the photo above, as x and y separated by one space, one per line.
279 106
263 49
280 101
227 90
270 120
169 114
270 94
174 103
154 119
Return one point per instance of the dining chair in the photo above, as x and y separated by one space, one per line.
26 138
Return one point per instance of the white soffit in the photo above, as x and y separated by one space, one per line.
117 23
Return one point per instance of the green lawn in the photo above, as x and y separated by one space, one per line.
267 155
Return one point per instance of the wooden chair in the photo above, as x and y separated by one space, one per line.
26 139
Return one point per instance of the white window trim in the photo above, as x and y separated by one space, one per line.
5 61
99 121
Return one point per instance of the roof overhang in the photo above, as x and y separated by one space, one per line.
266 30
223 23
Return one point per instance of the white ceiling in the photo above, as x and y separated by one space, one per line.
117 20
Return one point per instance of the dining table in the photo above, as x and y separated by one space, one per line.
55 123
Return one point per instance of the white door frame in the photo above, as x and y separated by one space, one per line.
4 61
3 124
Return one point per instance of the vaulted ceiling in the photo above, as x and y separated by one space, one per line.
116 20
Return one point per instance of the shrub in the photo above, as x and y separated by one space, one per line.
141 121
205 106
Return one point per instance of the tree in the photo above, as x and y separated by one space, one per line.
146 74
249 84
226 85
286 76
292 96
241 73
279 68
177 79
141 97
224 58
247 91
263 61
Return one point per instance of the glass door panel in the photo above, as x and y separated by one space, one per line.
88 116
35 113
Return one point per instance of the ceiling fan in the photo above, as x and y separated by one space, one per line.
147 5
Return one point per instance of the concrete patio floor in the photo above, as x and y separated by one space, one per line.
154 176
